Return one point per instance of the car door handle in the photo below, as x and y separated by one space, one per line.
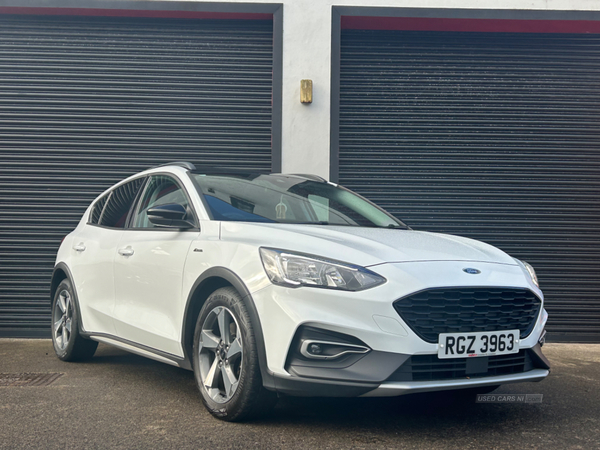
127 251
79 247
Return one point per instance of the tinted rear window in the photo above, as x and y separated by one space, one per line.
119 202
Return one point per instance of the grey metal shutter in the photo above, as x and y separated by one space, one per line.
493 136
85 102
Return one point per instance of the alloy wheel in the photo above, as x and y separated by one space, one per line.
220 352
62 319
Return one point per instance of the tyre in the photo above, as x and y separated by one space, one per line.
69 345
225 360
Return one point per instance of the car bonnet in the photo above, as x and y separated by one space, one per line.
364 246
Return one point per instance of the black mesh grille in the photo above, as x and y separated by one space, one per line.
462 310
431 368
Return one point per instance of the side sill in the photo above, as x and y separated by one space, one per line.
140 350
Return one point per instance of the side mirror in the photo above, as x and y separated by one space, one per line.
171 215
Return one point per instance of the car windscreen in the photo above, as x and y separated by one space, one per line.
287 199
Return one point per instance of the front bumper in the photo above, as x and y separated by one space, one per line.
370 318
377 374
301 387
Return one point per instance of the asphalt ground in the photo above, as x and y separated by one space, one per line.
119 400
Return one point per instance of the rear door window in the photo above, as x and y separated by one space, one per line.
97 209
116 210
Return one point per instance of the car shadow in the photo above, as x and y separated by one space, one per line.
451 412
411 407
442 417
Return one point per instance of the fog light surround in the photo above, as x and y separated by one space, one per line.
324 350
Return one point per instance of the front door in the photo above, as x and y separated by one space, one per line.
148 272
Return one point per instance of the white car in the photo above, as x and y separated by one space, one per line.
289 284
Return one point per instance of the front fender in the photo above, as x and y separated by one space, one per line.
225 276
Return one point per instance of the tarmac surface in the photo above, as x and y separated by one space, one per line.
119 400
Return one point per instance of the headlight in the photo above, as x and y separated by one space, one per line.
293 269
529 268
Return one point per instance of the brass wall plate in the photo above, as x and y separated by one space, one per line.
306 91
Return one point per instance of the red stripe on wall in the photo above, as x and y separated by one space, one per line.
132 13
474 25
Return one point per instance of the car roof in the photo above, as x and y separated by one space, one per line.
182 167
229 171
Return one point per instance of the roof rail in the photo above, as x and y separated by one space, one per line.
229 170
310 177
184 164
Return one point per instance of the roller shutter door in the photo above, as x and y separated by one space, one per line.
85 102
493 136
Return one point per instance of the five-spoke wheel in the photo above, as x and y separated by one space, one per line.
220 354
69 344
62 319
225 361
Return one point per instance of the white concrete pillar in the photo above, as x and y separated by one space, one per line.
306 55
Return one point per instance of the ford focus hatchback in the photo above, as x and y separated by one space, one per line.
267 284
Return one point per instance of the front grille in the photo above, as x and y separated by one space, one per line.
463 310
431 368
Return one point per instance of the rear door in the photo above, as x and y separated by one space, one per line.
93 252
148 271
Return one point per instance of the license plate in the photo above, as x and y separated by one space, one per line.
483 343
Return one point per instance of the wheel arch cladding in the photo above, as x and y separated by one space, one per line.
60 273
211 280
